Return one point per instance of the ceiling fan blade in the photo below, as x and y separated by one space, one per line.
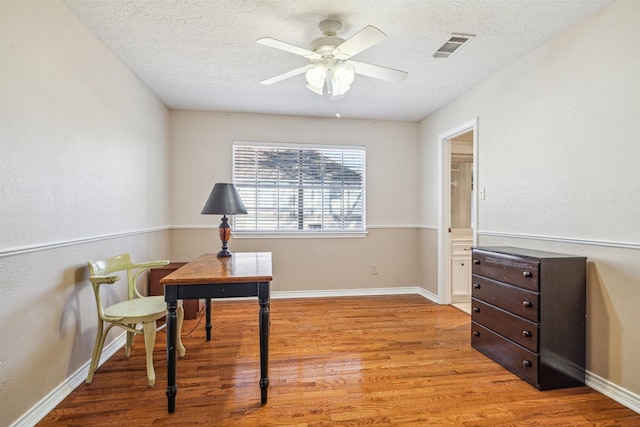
377 72
284 76
360 41
268 41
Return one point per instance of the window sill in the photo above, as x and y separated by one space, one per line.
299 235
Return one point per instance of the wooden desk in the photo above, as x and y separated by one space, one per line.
245 274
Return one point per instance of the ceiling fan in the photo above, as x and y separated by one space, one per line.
332 70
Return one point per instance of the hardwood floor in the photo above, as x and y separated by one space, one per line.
389 360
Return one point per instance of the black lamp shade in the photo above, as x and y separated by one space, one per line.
224 200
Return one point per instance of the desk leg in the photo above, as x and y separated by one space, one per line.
207 326
172 389
265 323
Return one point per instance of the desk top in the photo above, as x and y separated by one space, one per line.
241 267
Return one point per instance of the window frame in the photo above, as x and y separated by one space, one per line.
304 233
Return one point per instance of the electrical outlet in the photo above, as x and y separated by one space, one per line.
374 268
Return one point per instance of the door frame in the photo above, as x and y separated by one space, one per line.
444 198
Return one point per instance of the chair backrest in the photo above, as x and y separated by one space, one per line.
107 266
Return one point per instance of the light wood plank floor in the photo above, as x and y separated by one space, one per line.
388 360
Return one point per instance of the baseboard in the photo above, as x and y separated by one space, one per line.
50 401
613 391
355 292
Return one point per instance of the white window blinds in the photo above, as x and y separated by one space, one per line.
299 187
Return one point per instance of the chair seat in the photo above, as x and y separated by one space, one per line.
138 310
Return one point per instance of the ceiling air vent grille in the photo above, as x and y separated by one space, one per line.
451 46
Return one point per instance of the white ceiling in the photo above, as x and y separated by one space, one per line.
202 54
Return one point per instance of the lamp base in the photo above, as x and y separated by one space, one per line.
224 231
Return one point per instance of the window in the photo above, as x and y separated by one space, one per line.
299 188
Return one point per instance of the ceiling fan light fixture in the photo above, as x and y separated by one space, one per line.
339 81
317 90
336 79
344 75
316 76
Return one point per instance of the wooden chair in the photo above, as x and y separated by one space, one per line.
137 309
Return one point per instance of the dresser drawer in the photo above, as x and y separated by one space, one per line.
510 298
515 358
518 271
506 324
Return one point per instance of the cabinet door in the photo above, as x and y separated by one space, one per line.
461 278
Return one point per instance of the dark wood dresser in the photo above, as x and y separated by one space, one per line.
528 313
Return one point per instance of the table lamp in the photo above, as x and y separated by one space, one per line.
225 200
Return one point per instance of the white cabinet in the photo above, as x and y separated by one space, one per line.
460 269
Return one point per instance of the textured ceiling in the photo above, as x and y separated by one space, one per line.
202 54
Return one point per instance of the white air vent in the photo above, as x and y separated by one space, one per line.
451 46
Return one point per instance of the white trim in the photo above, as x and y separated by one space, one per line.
298 235
194 227
562 239
428 227
355 292
369 227
613 391
20 250
444 201
301 145
393 226
57 395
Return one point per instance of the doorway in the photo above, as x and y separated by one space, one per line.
458 213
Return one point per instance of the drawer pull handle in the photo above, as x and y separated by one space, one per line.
527 274
476 262
527 304
526 334
476 310
476 333
527 363
476 285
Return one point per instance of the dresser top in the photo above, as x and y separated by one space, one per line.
531 253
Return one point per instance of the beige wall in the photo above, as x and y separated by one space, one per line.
201 155
559 158
83 175
321 264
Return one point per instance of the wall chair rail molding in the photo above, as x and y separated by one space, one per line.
306 235
590 242
20 250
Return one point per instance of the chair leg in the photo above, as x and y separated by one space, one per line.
149 341
180 312
97 351
129 344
